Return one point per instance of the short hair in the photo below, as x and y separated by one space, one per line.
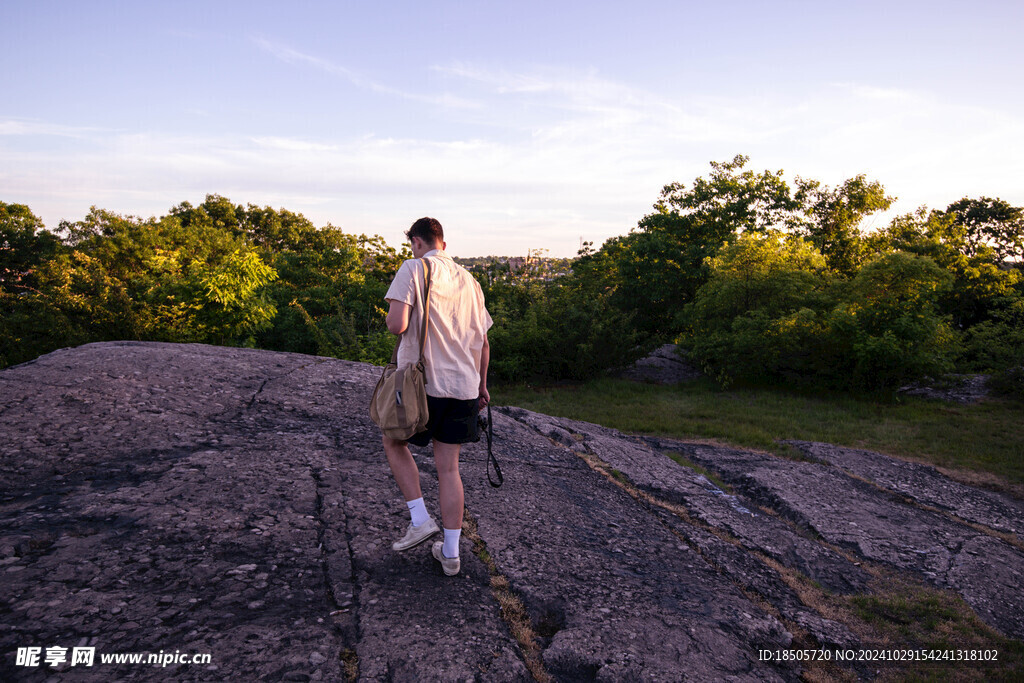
427 229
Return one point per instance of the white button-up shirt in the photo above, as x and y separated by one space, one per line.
458 324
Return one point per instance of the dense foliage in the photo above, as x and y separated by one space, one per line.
758 280
214 273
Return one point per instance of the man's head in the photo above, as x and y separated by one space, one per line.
426 234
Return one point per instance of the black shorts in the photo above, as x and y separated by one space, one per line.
452 420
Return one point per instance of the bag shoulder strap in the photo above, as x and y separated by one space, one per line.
426 304
426 314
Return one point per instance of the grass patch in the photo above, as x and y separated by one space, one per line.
931 620
912 618
708 474
350 661
618 476
983 437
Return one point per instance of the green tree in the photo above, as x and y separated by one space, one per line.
279 230
216 273
555 329
24 245
990 225
754 317
996 346
893 322
980 281
834 217
660 265
218 302
330 294
733 199
184 277
772 311
771 272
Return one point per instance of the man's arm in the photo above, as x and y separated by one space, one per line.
398 316
485 359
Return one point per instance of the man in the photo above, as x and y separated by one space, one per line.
456 354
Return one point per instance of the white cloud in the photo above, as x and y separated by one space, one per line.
292 145
293 56
543 158
27 127
290 55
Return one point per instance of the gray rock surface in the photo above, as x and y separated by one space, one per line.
854 513
223 501
655 472
194 499
953 389
664 365
857 515
925 485
624 597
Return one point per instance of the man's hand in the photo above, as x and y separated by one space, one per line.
485 397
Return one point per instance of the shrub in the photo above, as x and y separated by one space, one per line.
769 312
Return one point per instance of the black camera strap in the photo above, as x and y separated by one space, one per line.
490 453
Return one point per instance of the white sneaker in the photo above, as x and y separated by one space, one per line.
415 535
451 565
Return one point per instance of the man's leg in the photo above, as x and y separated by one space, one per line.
403 467
407 475
449 483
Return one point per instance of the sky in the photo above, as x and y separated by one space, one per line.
520 126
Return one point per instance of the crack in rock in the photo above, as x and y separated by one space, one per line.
924 484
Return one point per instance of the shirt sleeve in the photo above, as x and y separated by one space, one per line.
485 317
403 287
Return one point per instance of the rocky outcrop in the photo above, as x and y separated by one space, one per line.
192 499
664 365
952 389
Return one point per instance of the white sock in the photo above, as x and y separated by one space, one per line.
450 549
418 511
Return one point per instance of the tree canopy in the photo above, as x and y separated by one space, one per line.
758 279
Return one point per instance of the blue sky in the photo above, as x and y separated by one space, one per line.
528 125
